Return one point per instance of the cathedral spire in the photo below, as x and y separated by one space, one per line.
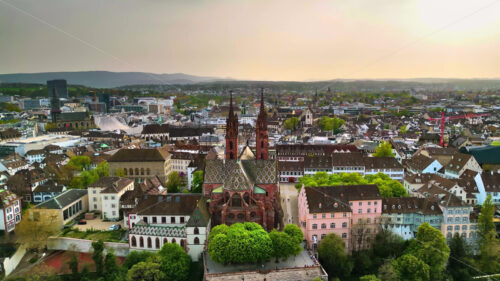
261 136
231 131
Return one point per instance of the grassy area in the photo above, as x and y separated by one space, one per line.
91 234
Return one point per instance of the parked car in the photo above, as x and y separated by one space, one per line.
82 222
115 227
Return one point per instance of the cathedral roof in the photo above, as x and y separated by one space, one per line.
240 174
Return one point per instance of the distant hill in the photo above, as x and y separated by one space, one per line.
105 79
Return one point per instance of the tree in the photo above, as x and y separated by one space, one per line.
173 182
76 183
458 255
295 233
97 256
485 221
120 172
430 247
146 271
387 245
73 266
102 169
384 150
331 124
403 129
197 182
386 272
370 277
489 253
175 262
283 244
79 162
135 257
411 268
291 123
333 257
110 266
35 228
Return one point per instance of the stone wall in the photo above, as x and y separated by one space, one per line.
84 246
9 264
291 274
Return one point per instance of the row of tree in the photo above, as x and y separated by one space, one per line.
87 176
427 257
387 187
170 263
249 243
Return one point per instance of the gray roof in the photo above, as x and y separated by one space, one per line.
240 174
64 199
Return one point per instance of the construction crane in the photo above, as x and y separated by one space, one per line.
446 118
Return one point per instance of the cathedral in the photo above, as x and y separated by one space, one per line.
243 187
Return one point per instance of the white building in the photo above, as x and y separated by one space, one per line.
105 194
180 218
10 210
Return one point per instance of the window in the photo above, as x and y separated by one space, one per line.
163 219
95 206
360 204
449 228
112 197
344 235
344 225
368 220
113 206
464 227
94 191
369 203
196 231
360 211
345 215
369 210
196 240
145 219
105 197
314 216
323 226
154 219
332 215
141 242
457 227
323 216
332 225
157 243
95 199
142 171
134 242
172 219
150 242
315 226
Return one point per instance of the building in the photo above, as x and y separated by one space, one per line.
243 187
22 146
47 191
403 216
29 104
456 219
60 86
422 164
79 120
140 164
352 212
180 218
104 195
63 208
10 208
459 163
10 134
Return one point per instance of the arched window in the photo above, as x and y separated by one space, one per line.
134 242
231 145
182 243
196 240
150 243
165 241
136 171
125 171
142 171
148 171
157 243
130 171
141 242
173 241
196 231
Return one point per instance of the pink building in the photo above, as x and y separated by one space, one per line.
350 211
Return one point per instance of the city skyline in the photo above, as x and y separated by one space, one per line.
255 40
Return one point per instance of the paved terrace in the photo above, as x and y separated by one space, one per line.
304 259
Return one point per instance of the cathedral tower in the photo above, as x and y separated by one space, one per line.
231 132
261 136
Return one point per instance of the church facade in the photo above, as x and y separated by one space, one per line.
243 187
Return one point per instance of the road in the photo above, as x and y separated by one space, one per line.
289 203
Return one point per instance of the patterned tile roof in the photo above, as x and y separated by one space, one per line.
240 174
156 230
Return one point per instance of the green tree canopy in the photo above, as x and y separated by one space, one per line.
387 186
458 256
79 162
485 222
135 257
120 172
174 182
384 150
333 257
197 182
175 262
283 244
102 169
403 129
332 124
370 277
430 247
291 123
146 271
411 268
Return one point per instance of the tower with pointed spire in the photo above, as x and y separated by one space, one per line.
231 131
261 135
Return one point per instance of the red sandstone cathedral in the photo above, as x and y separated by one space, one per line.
243 187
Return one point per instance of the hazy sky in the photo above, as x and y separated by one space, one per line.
264 40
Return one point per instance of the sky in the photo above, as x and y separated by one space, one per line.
255 39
